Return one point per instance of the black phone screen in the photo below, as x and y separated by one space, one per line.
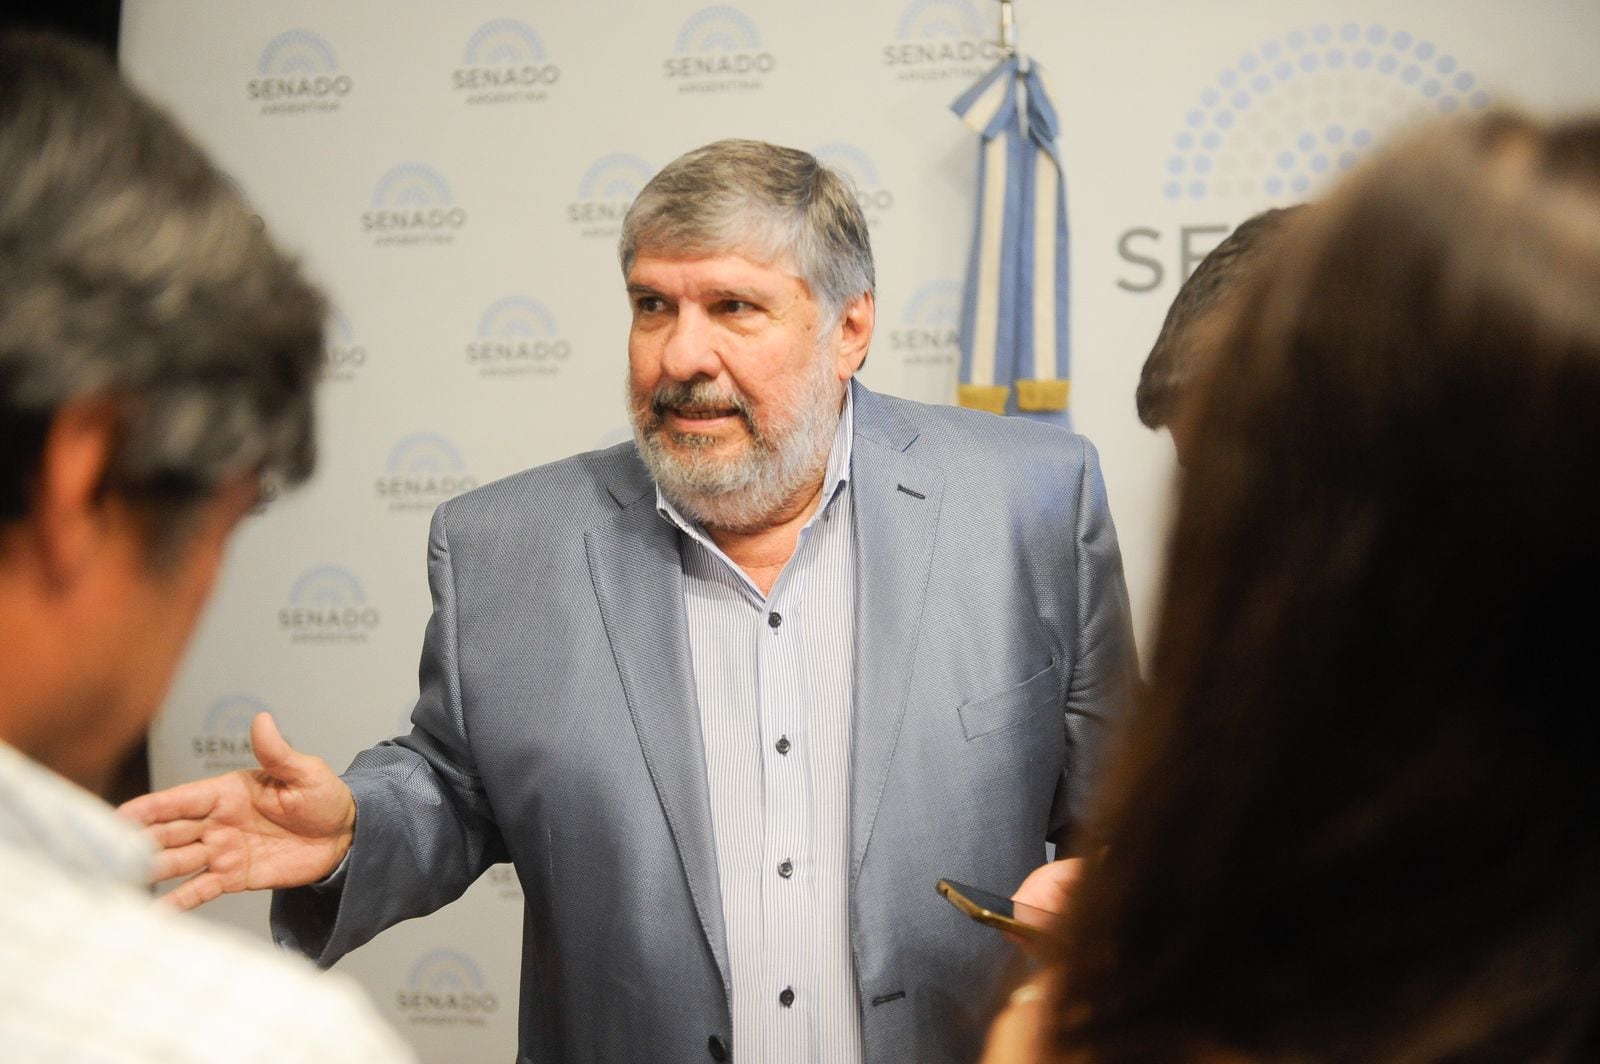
975 902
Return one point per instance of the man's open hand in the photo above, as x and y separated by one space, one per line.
286 824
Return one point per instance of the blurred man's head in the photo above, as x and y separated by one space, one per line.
157 358
1198 320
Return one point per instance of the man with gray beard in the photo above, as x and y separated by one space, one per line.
734 696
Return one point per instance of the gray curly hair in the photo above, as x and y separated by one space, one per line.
132 272
768 200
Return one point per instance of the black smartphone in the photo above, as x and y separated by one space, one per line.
993 909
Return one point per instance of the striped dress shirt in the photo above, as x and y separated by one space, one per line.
774 678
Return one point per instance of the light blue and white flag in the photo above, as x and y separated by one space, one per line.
1014 334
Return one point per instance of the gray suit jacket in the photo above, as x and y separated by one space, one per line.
557 728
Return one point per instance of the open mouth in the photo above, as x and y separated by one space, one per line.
702 413
697 416
705 422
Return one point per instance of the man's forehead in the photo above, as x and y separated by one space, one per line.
735 268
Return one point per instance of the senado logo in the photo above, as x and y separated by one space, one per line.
223 742
718 50
505 62
518 337
424 469
606 192
1300 108
1285 120
343 356
446 988
412 205
859 171
940 39
328 605
298 73
930 326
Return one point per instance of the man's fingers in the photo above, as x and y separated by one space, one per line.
187 801
179 861
173 833
193 893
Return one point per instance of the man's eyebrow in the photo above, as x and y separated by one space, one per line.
744 295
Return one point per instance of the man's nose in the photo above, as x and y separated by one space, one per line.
690 348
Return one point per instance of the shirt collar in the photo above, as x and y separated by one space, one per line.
834 477
53 818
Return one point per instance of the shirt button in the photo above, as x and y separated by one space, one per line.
774 619
786 869
787 997
783 745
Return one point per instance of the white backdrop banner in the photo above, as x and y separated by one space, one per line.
455 174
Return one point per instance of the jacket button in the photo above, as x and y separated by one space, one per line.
787 997
718 1051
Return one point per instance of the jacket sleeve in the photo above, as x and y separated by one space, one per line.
424 829
1104 666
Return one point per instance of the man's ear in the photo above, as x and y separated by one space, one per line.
68 516
855 333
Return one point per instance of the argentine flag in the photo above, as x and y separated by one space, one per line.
1014 335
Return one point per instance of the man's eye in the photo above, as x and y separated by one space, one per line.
736 306
650 304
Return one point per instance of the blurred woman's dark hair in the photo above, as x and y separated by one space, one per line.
1356 816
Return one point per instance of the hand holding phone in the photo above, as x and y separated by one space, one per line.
996 911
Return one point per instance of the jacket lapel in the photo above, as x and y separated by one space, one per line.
896 501
638 580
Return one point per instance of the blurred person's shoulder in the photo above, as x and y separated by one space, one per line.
95 970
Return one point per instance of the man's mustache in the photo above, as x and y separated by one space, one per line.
700 397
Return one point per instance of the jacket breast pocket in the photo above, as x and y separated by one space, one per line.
1017 703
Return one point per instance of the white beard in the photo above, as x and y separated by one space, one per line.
785 456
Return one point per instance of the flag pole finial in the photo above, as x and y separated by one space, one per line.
1008 29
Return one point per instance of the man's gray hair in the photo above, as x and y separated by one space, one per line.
766 201
132 273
